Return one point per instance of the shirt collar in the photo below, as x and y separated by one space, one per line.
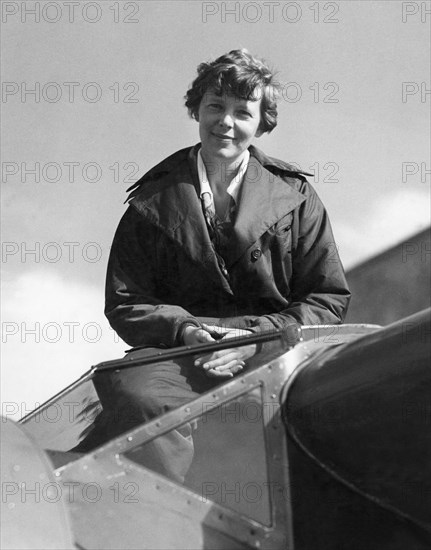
234 185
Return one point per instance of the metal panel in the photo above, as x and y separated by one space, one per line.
33 514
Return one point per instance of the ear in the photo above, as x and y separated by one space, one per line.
259 132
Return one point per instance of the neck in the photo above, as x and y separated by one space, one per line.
221 172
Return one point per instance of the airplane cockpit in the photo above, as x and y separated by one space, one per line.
292 454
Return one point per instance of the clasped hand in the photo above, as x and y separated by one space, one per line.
223 363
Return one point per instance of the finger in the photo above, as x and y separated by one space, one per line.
236 333
230 334
215 331
211 357
216 374
210 328
235 364
237 369
203 359
204 336
221 361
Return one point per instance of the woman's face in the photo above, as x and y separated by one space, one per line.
227 125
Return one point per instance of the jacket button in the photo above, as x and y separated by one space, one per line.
256 254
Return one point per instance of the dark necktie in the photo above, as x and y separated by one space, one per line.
218 229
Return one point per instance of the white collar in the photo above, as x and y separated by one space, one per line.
234 185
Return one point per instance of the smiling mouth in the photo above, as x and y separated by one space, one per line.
222 137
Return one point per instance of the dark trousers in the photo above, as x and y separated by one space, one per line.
132 396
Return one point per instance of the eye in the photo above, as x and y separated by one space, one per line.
214 106
244 113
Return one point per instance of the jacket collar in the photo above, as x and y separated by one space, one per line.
167 196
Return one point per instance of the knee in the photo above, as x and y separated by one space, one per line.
138 395
136 407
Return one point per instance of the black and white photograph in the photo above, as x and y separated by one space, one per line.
215 275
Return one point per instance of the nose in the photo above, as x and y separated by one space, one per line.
226 120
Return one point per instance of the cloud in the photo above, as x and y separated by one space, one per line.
53 331
390 219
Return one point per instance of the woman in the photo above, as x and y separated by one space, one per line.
218 240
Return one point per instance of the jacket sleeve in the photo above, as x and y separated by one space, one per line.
131 303
319 290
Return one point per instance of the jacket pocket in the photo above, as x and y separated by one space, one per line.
283 225
283 236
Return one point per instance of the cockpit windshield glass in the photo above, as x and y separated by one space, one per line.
220 455
66 424
61 423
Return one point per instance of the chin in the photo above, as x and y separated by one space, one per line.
225 153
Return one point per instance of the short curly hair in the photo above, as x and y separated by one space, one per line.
240 74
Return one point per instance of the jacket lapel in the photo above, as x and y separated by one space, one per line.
264 200
173 205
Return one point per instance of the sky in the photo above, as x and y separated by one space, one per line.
92 97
